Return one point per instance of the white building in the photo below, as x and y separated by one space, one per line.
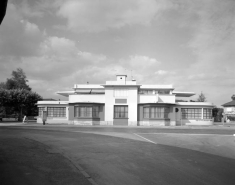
123 102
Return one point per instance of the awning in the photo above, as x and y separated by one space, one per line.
83 91
97 91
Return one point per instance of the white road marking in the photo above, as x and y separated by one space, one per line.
190 134
144 138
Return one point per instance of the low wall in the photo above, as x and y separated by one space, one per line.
154 123
9 119
194 122
54 120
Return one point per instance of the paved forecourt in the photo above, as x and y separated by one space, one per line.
118 155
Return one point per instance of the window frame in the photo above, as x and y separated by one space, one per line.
40 109
123 114
156 112
93 113
191 113
206 114
154 91
58 112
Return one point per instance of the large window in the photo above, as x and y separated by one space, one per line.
191 113
207 113
120 111
56 111
156 112
40 109
86 111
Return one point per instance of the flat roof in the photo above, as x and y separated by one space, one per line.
65 93
156 87
183 94
53 102
86 102
87 86
120 85
195 103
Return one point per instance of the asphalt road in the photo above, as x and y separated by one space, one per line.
26 161
114 155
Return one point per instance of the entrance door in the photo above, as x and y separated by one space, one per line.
120 115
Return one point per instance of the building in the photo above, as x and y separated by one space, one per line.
123 102
229 111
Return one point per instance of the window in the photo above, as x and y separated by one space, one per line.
96 111
156 112
163 92
121 111
207 113
147 92
146 112
121 92
191 113
86 111
40 109
56 111
154 91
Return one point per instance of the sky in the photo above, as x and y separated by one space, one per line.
58 43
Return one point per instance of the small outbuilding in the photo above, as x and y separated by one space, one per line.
229 111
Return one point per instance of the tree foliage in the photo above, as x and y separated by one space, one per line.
201 98
17 81
22 101
233 97
217 114
16 96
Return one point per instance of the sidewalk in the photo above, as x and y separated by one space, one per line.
216 126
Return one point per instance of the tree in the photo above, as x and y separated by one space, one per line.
217 114
2 85
16 96
18 80
233 97
201 98
20 100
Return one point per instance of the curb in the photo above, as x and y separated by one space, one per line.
83 172
58 151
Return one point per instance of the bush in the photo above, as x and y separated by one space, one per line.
231 118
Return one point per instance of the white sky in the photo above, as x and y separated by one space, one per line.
187 43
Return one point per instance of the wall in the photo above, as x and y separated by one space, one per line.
172 115
109 104
167 98
147 98
159 122
97 98
229 110
132 105
156 98
131 102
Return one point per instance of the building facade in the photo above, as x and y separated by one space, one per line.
229 111
125 103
